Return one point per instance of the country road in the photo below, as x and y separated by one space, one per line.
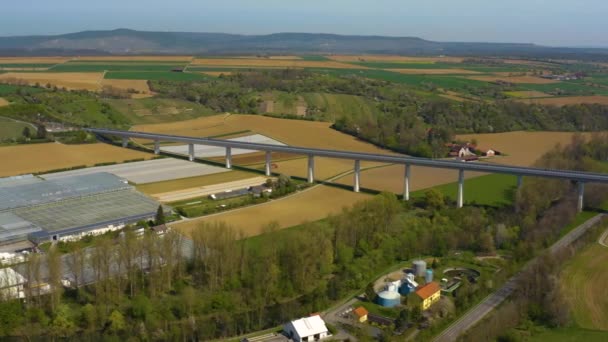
476 314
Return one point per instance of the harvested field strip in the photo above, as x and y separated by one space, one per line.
181 195
307 206
570 100
187 183
72 80
434 71
584 282
139 85
314 134
39 158
203 151
135 58
3 102
526 94
325 168
522 148
150 171
90 67
33 60
391 178
24 66
274 63
154 75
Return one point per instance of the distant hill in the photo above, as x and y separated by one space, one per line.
124 41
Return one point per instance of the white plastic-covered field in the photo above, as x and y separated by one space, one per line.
149 171
203 151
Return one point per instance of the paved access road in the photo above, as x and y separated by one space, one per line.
476 314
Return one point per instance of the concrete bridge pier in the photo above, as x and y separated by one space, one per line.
229 157
268 161
356 187
125 142
520 181
191 152
460 188
311 168
581 193
156 147
406 182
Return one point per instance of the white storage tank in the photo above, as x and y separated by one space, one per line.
420 268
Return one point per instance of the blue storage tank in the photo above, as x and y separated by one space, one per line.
428 277
388 299
406 289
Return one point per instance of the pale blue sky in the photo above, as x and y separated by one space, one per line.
549 22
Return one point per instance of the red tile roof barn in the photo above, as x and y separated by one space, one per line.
428 290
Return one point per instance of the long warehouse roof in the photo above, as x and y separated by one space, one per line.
393 159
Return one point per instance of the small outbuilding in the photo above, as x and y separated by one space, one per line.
361 314
306 329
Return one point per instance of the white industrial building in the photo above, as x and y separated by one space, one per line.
306 329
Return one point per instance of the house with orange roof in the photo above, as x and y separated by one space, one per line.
361 314
428 295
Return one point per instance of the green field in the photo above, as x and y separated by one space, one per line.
572 334
332 106
493 190
583 281
572 88
131 67
154 76
7 89
157 110
10 129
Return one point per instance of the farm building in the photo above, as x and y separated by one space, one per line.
306 329
11 284
68 208
428 295
361 314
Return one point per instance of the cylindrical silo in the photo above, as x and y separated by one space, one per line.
388 299
428 276
419 268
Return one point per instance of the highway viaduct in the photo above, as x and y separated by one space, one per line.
581 178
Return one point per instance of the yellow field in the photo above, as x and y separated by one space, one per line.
584 282
23 159
527 94
563 101
287 58
404 59
3 102
523 148
33 60
135 58
307 206
276 63
434 71
217 73
292 132
70 80
513 79
186 183
139 85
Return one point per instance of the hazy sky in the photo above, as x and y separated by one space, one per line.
550 22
